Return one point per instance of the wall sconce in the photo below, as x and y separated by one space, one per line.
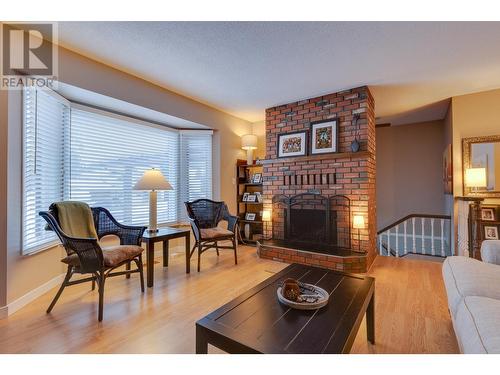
358 222
249 143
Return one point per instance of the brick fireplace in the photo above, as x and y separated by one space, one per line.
345 175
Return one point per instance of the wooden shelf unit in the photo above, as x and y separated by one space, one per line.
244 173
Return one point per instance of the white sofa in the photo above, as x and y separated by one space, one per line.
473 289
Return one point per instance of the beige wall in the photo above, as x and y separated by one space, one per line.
25 273
409 171
473 115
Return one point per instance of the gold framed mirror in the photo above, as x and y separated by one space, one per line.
481 166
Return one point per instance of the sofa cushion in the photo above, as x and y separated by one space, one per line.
469 277
113 255
490 251
212 233
477 325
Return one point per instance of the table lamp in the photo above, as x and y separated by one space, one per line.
358 222
249 143
266 218
152 180
475 178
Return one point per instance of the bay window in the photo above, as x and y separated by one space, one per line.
80 153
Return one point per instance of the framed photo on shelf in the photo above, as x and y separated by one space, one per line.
490 232
258 195
487 214
251 198
250 216
324 137
292 144
245 197
257 178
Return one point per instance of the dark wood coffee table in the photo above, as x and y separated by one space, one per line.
256 322
163 235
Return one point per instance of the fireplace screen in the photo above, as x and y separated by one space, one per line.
312 219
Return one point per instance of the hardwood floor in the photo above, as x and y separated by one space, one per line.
411 310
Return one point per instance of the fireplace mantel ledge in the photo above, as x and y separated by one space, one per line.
332 156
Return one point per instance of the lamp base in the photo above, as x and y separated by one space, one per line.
250 157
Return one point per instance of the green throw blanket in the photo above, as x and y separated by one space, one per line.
75 219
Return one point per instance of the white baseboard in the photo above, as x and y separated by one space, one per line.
3 312
33 294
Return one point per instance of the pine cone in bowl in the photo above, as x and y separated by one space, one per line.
290 290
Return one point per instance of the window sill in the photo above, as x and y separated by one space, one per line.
41 248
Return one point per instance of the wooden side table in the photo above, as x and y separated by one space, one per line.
164 235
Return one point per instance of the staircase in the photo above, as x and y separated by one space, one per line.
416 234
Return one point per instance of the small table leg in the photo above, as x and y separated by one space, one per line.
370 320
188 252
150 255
201 341
165 253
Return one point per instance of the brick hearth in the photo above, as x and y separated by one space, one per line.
344 173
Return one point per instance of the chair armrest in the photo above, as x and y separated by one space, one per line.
107 224
490 251
232 221
195 228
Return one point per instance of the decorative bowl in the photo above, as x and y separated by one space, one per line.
313 297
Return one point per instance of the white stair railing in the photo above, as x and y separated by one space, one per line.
432 237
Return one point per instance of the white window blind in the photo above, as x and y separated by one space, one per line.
110 153
196 166
45 135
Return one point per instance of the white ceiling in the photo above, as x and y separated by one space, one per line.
244 67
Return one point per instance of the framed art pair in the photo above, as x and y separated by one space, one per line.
323 139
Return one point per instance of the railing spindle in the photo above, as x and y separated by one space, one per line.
433 250
397 240
413 235
404 239
442 238
422 222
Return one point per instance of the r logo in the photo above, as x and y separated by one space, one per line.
27 49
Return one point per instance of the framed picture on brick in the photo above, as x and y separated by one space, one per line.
324 137
292 144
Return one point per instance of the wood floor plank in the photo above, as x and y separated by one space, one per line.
410 312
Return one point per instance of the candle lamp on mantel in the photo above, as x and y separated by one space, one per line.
358 222
266 218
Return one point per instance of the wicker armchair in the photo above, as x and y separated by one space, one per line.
85 255
204 216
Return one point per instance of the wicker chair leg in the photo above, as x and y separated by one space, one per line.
127 267
199 255
61 288
141 273
102 279
235 248
93 283
217 247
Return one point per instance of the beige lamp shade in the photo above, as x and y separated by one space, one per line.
475 177
249 142
152 179
358 222
266 215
